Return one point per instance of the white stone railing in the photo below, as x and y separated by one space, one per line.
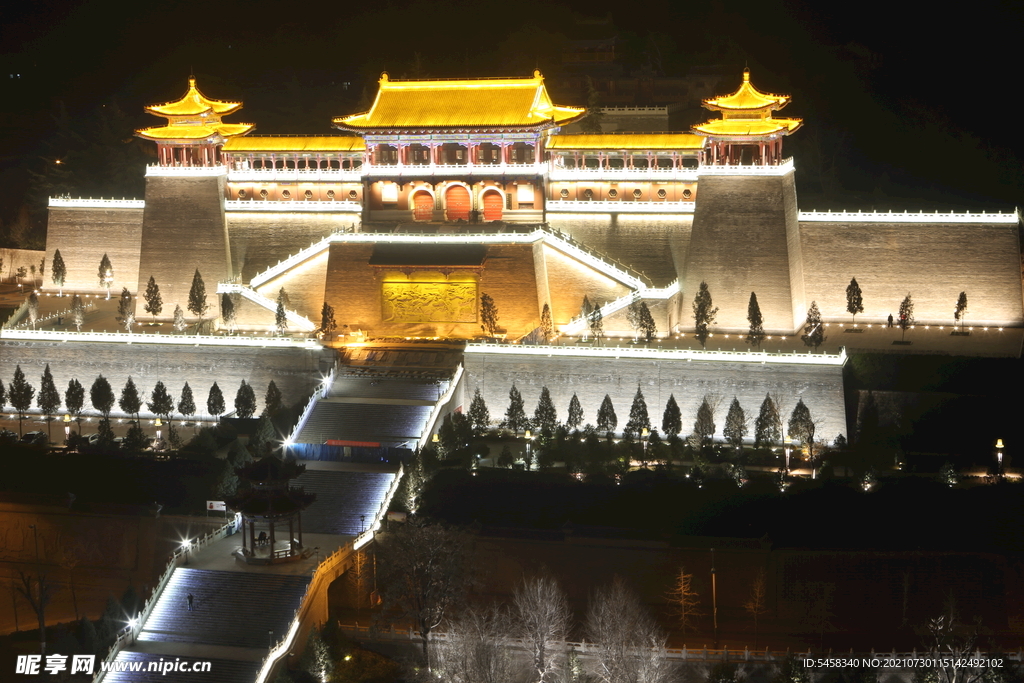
291 205
648 111
321 392
435 412
155 170
748 169
687 174
172 339
296 174
575 206
667 354
294 317
908 217
398 170
581 325
80 203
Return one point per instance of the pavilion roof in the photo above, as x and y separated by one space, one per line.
747 127
747 97
196 132
275 143
270 469
478 103
193 103
640 141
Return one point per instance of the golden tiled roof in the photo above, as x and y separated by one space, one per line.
640 141
752 127
267 143
194 103
224 130
483 103
747 97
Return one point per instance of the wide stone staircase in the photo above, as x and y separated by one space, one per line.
346 501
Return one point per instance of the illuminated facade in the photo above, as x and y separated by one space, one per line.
446 190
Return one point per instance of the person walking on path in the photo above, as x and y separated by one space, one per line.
890 320
190 600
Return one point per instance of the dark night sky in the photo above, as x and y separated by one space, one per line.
921 94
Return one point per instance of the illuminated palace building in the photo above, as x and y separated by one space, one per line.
447 190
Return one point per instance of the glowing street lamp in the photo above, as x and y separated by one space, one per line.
529 437
67 427
131 627
787 442
645 433
186 546
999 457
158 425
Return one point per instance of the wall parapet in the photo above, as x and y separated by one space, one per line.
576 206
291 206
748 169
154 170
908 217
82 203
145 338
763 357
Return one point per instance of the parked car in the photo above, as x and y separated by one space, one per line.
8 436
35 438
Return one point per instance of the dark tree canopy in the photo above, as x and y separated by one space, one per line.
160 402
154 302
272 401
704 425
102 396
607 421
245 401
197 297
735 424
106 274
906 320
586 308
545 414
130 402
3 396
488 315
755 335
768 425
814 329
479 415
703 314
575 418
77 312
20 394
672 420
596 323
547 326
74 398
515 415
58 270
227 311
638 420
186 404
854 299
280 314
215 401
801 426
327 322
126 309
49 398
960 313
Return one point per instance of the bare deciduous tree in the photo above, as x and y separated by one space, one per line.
629 644
542 620
755 606
685 600
476 649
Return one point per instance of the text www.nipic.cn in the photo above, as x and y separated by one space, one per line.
34 665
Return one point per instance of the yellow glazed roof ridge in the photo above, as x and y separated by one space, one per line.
295 143
193 102
747 127
627 141
225 130
747 97
478 103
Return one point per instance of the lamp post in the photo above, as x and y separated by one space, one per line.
529 462
67 428
186 545
714 597
645 433
42 598
131 626
316 549
999 457
158 424
786 442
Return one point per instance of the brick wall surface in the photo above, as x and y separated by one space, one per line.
569 281
304 285
591 378
260 240
739 245
84 235
295 371
933 262
183 228
654 245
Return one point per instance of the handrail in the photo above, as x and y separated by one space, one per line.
291 205
909 217
304 323
602 206
81 202
128 632
159 338
747 169
322 392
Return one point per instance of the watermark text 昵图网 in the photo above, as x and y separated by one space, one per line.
34 665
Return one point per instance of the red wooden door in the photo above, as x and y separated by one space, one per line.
458 203
492 206
422 206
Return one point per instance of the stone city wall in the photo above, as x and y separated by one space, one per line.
821 387
83 236
260 240
741 244
568 281
933 262
295 371
303 285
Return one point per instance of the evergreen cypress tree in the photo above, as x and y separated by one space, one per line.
20 394
74 401
672 420
197 299
280 316
77 312
49 398
575 413
126 310
735 424
102 396
130 401
606 418
515 415
154 302
245 401
479 415
906 320
3 396
768 425
638 417
488 315
215 401
854 299
814 329
960 313
703 314
648 328
756 333
327 322
272 401
801 426
547 327
33 308
704 425
227 312
179 319
545 414
186 404
106 274
161 403
596 322
58 272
